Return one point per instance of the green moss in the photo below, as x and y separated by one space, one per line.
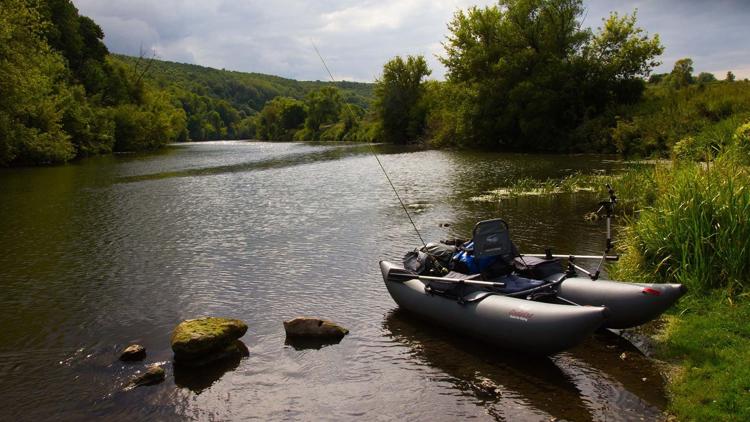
205 335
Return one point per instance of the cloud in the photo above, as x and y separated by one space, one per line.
358 37
714 34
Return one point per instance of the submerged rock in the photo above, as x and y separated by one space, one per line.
314 327
154 374
133 352
199 341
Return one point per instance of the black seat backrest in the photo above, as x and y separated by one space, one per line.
492 238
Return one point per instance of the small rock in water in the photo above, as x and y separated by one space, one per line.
623 356
207 339
313 327
133 352
154 374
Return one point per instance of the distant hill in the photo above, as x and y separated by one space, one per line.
246 92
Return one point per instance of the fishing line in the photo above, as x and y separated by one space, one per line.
372 150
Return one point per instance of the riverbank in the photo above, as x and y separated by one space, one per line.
706 340
695 232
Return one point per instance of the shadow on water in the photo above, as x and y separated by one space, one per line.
507 384
301 343
198 379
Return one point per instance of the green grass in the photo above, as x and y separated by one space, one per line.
707 339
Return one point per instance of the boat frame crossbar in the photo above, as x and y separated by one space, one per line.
550 256
405 275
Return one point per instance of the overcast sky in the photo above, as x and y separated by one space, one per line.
357 37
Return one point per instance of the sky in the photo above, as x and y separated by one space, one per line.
357 37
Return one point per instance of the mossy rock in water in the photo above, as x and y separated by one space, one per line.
313 328
196 338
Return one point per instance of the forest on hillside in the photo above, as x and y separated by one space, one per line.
65 96
522 75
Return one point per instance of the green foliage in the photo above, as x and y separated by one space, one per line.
740 148
730 76
32 82
280 118
688 149
398 99
92 128
709 113
78 39
147 126
705 77
533 79
682 73
323 108
449 107
235 96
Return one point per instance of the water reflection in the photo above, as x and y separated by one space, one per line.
507 384
302 343
595 381
197 379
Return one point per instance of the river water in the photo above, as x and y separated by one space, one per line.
113 250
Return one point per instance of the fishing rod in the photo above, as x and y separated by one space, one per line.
374 154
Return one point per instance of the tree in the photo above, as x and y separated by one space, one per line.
33 87
323 108
706 77
682 73
532 74
657 78
398 93
730 76
621 55
280 118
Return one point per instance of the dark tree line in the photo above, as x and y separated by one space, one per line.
522 75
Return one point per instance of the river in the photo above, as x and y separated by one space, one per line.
113 250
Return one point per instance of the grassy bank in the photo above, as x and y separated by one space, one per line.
707 340
693 227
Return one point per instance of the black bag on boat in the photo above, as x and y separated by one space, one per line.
443 253
417 261
537 268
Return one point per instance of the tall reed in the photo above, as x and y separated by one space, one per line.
698 230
